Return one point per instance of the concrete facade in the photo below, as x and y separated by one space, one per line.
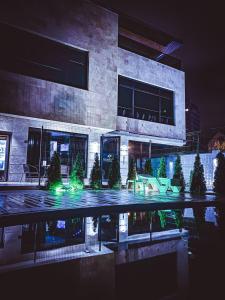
29 102
83 26
19 127
145 70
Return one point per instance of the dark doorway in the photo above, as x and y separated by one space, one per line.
67 145
140 152
110 147
4 155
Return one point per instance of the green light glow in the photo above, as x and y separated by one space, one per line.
73 186
59 189
146 183
76 184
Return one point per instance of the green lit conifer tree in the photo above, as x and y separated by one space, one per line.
132 170
114 181
148 167
132 173
198 187
95 180
162 168
178 176
54 173
219 178
197 184
77 174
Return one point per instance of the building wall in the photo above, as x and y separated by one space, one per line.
187 160
19 126
94 111
94 29
82 25
146 70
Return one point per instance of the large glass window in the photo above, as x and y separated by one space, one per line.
29 54
67 145
110 147
145 102
140 152
4 151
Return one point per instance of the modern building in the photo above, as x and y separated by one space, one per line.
78 77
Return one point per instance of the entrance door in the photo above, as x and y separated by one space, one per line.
110 147
4 150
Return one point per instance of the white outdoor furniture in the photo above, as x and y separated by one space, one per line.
154 184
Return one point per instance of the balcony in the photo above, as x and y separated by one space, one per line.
149 52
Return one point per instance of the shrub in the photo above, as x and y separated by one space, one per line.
77 174
178 176
96 175
198 185
132 170
114 174
54 172
219 177
162 168
148 167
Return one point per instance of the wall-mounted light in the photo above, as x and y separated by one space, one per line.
123 152
94 147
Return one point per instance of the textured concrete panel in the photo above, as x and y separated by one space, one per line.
83 25
94 111
146 70
19 127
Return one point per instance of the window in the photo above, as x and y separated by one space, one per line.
145 102
110 148
4 153
140 152
67 145
29 54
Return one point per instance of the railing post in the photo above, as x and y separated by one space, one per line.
100 232
150 226
35 242
2 238
40 158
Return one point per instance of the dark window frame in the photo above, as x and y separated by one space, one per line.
53 61
160 93
104 165
8 147
141 154
79 135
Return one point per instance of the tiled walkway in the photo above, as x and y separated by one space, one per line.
18 204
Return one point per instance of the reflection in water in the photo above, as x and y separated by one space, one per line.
139 222
220 217
206 242
52 234
199 215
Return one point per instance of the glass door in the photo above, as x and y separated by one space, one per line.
110 147
4 149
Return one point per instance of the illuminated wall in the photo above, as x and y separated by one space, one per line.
187 160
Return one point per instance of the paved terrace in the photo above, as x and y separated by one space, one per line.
19 207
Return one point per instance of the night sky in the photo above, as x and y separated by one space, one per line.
201 27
